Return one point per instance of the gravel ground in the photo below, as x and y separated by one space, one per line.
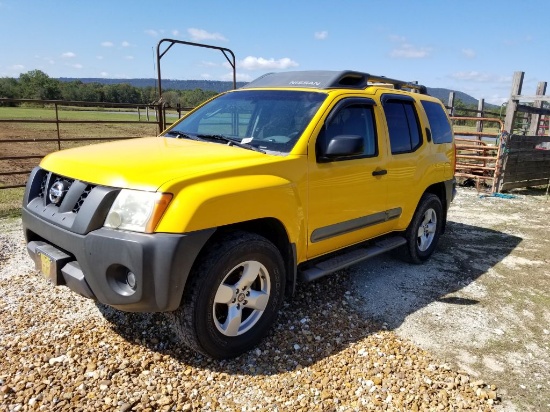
482 302
63 352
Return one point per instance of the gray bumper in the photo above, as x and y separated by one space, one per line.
130 271
97 265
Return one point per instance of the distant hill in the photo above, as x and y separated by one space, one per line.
221 86
212 85
443 94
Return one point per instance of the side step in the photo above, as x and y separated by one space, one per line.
333 264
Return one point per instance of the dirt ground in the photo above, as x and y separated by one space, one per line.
482 302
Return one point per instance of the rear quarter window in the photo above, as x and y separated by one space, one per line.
403 126
439 122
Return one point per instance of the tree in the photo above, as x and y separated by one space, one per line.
38 85
9 88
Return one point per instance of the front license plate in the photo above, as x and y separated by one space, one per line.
49 261
46 264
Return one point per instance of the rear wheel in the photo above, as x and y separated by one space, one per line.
424 230
233 296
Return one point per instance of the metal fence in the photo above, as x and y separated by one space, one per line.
13 164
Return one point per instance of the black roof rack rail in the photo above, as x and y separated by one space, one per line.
325 79
399 84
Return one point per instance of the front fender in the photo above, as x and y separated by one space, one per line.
230 200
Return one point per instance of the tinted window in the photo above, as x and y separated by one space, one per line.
356 119
439 123
403 126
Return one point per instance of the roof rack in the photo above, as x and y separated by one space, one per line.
324 79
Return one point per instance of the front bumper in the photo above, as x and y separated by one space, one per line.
130 271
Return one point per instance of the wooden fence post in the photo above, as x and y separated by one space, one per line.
511 109
479 123
451 104
535 118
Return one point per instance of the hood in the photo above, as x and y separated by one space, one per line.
148 163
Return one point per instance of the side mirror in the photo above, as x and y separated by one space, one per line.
342 146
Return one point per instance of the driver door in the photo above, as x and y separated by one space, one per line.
347 195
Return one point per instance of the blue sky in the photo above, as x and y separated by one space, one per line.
470 46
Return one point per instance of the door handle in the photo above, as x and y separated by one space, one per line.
381 172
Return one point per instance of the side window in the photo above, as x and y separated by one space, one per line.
403 126
439 123
356 119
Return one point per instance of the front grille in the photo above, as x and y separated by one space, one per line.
64 186
82 198
75 205
43 186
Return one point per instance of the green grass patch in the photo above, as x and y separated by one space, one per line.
69 113
10 202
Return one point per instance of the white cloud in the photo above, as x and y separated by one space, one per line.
200 34
228 77
255 63
408 51
99 57
152 32
206 76
397 38
107 44
104 74
473 76
17 67
497 99
175 32
210 64
68 55
77 66
468 53
125 44
129 57
321 35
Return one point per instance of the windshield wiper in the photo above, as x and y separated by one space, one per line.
181 135
230 142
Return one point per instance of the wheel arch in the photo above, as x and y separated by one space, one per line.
439 189
273 230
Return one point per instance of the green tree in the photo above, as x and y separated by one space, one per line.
38 85
9 88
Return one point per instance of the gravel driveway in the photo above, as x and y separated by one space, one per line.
448 335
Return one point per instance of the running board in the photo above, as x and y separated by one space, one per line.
333 264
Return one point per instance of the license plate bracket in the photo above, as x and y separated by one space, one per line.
49 260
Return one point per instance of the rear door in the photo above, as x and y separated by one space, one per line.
408 158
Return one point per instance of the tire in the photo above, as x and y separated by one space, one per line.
424 230
232 297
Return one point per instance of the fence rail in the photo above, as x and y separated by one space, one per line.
147 114
475 158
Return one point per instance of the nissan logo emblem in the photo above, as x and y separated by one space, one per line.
56 192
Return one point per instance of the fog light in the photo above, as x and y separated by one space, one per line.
131 280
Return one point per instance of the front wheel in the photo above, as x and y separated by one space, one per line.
423 232
233 296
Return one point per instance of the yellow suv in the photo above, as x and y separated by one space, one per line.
290 178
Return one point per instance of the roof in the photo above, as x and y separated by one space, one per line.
326 79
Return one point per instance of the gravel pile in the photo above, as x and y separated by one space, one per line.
62 352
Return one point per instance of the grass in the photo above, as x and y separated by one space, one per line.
10 202
32 133
72 113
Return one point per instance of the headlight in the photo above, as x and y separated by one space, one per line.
137 211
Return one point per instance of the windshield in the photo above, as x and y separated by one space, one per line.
269 120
